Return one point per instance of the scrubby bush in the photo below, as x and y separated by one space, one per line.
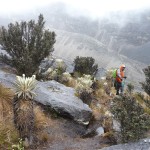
146 84
109 82
60 66
85 65
143 101
68 80
130 88
66 76
131 116
109 75
27 44
56 71
83 88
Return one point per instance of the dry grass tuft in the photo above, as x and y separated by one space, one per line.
98 111
113 92
46 128
71 83
41 120
43 137
100 93
8 133
6 96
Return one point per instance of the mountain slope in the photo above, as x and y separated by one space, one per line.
69 45
112 40
139 53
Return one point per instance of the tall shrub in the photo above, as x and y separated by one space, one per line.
85 65
146 84
130 88
27 44
131 116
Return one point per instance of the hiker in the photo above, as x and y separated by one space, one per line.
119 79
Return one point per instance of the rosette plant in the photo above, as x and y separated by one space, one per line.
23 106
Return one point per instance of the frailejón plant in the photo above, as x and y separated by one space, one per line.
24 86
23 106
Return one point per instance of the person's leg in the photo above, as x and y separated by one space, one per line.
117 88
122 88
115 84
117 93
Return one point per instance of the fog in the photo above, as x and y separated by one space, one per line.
92 8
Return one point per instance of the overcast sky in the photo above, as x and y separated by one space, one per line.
94 7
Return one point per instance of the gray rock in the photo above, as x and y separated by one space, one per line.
7 79
91 132
140 145
100 131
101 73
116 125
63 100
45 64
58 97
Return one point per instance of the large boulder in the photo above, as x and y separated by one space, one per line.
56 96
7 79
63 100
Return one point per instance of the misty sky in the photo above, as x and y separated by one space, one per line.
94 7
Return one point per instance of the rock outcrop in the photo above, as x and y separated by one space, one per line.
63 100
56 96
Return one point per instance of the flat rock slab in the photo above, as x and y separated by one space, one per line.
63 100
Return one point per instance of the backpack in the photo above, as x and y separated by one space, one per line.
114 73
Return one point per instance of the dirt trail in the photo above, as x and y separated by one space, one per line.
67 135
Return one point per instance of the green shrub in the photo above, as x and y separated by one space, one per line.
27 44
143 101
146 84
85 65
131 116
130 88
